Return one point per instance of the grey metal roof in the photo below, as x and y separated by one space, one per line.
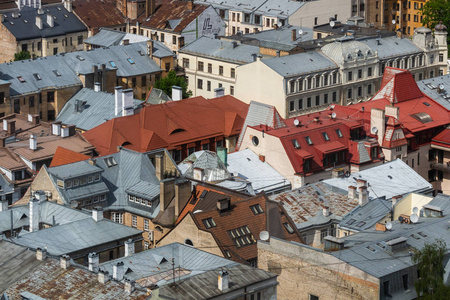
99 108
24 26
391 46
77 169
365 217
85 191
429 87
276 38
279 8
363 153
149 267
75 236
346 49
214 169
403 180
82 61
45 67
302 63
221 50
144 189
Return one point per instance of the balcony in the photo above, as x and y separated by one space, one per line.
441 166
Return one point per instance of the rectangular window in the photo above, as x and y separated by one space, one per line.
167 67
162 38
256 209
146 245
369 89
350 76
323 234
146 225
308 102
308 140
209 223
83 180
200 66
80 40
51 96
200 84
174 39
325 136
317 100
386 288
208 86
117 217
232 90
359 91
325 98
233 73
97 177
221 70
300 103
339 133
334 97
349 93
359 74
185 63
134 221
441 57
291 106
143 81
30 101
209 68
405 281
205 147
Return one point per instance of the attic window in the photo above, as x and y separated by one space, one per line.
21 79
350 222
209 223
56 73
130 61
288 228
415 236
112 64
361 224
339 133
325 136
256 209
422 234
308 140
141 53
228 254
242 236
37 76
370 249
381 245
426 104
110 161
422 117
177 130
296 144
80 58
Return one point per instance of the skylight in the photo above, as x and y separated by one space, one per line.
339 133
288 228
325 136
21 79
130 61
112 64
37 76
56 73
308 140
350 222
80 58
242 236
209 223
256 209
296 144
361 224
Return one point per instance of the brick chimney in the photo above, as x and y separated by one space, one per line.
94 261
190 5
64 261
118 271
351 192
167 191
182 193
129 247
294 35
103 276
33 142
363 195
11 126
149 7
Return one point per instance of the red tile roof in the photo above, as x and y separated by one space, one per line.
65 156
173 10
170 125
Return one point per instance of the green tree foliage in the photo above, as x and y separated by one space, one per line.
22 55
170 80
435 11
429 261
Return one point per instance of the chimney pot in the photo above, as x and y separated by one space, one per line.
177 93
41 254
97 87
223 280
94 261
129 247
97 214
64 261
126 42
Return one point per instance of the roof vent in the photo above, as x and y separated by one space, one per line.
396 244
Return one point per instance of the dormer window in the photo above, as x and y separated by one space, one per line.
83 180
209 223
97 177
90 179
68 183
110 161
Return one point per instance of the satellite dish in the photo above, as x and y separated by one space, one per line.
279 24
263 235
401 219
441 86
393 22
374 130
333 115
300 31
332 107
415 210
73 204
389 226
414 218
296 122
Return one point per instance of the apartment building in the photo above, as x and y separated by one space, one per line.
345 71
43 31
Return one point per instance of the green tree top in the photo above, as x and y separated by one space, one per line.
435 11
22 55
170 80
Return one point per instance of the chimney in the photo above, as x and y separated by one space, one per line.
380 227
395 199
182 193
64 261
198 174
103 69
363 196
219 92
118 99
3 204
33 142
262 158
278 53
159 167
166 192
337 173
294 35
34 214
223 204
56 128
35 119
39 23
177 93
129 286
94 261
125 42
377 122
127 102
50 20
30 118
11 126
68 5
392 111
92 161
234 44
71 130
149 7
5 125
64 131
223 280
103 276
326 211
361 182
95 71
129 247
118 271
150 48
40 195
41 254
258 57
190 5
97 214
351 192
254 56
97 87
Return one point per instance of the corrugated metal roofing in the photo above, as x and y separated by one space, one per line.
430 88
147 190
76 169
105 38
391 46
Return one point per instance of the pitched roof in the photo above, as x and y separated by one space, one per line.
23 27
168 125
65 156
98 13
442 139
173 16
432 88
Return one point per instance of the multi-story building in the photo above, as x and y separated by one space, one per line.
344 71
41 31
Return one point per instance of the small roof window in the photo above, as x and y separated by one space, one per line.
288 228
110 161
325 136
56 73
256 209
209 223
308 140
339 133
80 58
130 61
37 76
296 144
21 79
113 64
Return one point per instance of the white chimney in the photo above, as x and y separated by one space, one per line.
177 93
65 132
129 286
103 276
3 204
118 271
395 200
68 5
94 261
33 142
198 174
118 99
30 118
41 254
50 20
223 280
97 87
219 92
97 214
363 195
351 192
39 23
392 111
129 247
56 128
64 261
326 211
5 125
127 102
34 214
